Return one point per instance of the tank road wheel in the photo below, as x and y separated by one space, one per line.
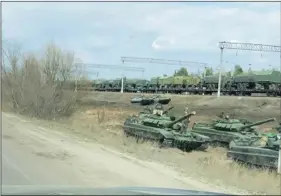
126 133
165 143
204 146
138 139
231 145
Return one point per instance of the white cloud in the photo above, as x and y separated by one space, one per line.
105 31
162 43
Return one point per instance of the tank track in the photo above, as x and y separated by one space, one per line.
166 143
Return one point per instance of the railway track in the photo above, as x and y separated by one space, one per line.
250 93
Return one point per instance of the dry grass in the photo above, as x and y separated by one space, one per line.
212 166
95 122
255 108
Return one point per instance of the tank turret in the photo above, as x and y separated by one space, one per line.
171 124
238 126
167 110
161 122
255 124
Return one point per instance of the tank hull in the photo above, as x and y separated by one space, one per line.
254 155
164 101
217 135
136 100
147 101
163 137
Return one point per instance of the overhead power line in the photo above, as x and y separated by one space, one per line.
162 61
121 67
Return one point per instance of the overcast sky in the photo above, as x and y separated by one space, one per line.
102 32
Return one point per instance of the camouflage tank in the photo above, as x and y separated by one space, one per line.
158 113
261 150
226 130
167 132
163 100
137 99
143 100
233 118
148 100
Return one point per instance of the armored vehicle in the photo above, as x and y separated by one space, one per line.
148 100
157 113
163 100
137 99
233 118
143 100
168 132
226 130
260 150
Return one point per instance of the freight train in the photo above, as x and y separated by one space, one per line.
266 82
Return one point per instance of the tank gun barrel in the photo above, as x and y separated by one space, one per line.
257 123
169 125
156 96
167 110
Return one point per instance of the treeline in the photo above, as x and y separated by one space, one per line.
208 72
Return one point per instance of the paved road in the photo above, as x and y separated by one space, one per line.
36 155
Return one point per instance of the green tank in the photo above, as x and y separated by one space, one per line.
145 100
149 113
166 131
261 150
226 130
137 99
163 100
148 100
233 118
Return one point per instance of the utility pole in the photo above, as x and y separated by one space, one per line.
243 46
122 83
220 69
205 70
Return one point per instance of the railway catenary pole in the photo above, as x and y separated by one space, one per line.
120 67
220 69
243 46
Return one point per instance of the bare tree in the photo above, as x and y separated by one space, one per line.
37 85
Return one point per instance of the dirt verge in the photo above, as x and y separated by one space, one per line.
100 117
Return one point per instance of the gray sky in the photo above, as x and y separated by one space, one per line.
102 32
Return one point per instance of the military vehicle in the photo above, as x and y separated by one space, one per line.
226 130
163 100
143 100
234 118
148 100
137 99
168 132
157 113
260 150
